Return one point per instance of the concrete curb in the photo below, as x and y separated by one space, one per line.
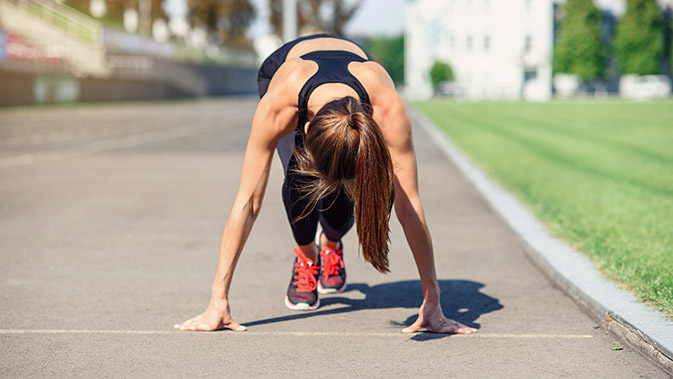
619 311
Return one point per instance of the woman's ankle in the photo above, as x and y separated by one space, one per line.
310 251
326 243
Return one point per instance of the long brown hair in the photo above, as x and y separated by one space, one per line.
345 150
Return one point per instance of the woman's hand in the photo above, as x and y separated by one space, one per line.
430 317
217 316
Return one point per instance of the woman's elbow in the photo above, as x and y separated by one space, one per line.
256 208
249 209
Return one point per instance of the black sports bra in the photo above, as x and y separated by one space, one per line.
332 68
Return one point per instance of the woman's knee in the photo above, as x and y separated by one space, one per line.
338 218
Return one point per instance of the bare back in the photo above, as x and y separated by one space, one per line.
295 72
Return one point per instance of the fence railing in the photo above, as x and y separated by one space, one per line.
215 55
119 41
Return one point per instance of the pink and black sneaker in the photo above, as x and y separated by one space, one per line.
332 270
302 294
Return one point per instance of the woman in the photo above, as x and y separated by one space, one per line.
344 139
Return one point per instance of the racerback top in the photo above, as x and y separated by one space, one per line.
332 68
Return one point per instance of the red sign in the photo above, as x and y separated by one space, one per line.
17 48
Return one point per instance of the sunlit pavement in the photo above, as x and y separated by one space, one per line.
111 218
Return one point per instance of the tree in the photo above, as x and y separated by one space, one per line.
440 72
389 52
580 49
639 41
225 21
326 15
114 13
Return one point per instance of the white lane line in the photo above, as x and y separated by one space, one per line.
297 334
82 331
108 144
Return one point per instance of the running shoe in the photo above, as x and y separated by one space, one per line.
302 294
332 270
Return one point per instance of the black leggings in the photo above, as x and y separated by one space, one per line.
334 212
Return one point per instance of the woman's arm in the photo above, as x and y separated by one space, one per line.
394 122
273 119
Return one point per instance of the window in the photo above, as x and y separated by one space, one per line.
528 44
487 43
487 4
452 42
527 4
529 74
469 43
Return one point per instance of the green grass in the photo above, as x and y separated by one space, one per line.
598 174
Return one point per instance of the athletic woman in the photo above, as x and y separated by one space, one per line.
344 139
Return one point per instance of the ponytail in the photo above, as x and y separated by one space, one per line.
345 150
373 194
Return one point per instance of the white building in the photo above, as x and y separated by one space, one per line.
498 49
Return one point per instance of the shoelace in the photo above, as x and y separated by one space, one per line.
305 276
331 262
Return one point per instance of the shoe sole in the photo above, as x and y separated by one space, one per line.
325 291
301 306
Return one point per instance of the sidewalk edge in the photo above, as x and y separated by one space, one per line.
619 311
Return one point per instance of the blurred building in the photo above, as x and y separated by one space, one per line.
497 49
51 53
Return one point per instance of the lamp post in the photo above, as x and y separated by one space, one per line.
289 20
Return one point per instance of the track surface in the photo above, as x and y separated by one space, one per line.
110 224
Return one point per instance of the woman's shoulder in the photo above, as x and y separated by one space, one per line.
279 105
373 77
290 77
377 82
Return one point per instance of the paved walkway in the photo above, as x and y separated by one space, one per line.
111 217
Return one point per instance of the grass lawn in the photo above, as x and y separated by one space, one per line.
598 174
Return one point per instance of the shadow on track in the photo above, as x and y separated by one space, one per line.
461 301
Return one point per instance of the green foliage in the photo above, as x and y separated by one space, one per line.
580 49
389 52
599 176
114 14
639 41
440 72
